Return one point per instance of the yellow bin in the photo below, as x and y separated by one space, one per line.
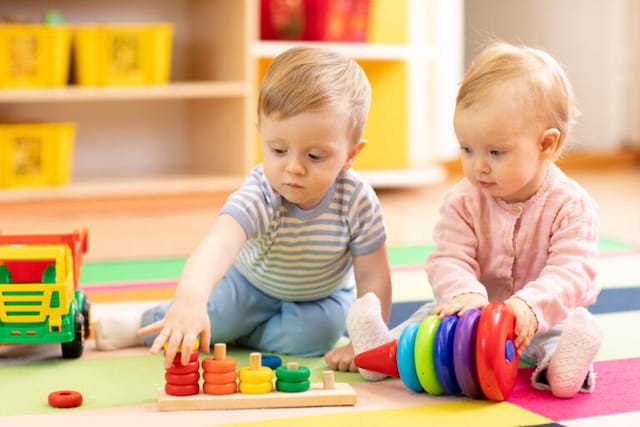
36 154
34 55
116 55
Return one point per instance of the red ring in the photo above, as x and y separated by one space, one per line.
179 368
182 379
182 390
65 399
496 373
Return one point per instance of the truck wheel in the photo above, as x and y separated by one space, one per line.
73 349
86 312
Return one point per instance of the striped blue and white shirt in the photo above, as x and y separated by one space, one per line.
303 255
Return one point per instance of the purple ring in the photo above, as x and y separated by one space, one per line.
464 353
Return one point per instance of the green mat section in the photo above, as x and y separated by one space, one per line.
132 380
170 268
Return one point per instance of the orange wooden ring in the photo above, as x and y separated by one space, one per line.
179 368
65 399
182 379
211 364
182 390
220 377
195 355
220 389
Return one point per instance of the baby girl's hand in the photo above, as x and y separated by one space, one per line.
460 304
526 323
341 359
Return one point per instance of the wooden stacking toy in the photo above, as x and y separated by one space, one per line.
472 354
250 386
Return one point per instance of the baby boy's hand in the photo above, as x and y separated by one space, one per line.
341 359
526 322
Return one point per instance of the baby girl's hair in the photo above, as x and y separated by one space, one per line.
539 78
306 79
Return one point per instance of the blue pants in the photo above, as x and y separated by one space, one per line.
241 313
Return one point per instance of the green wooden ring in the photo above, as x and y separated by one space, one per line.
292 375
293 387
425 366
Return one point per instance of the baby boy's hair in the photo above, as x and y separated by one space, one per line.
539 78
304 79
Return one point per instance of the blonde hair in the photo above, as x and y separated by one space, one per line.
542 82
304 79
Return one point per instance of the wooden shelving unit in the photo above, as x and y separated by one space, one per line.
197 132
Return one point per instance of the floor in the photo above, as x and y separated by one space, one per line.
168 231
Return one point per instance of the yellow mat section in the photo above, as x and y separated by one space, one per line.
478 413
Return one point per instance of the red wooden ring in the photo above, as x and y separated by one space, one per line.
211 364
497 370
182 379
220 389
195 355
179 368
65 399
182 390
220 377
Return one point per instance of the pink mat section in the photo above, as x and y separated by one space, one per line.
617 391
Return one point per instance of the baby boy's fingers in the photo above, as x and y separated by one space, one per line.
154 327
188 343
172 348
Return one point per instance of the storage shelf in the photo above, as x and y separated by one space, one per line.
181 90
112 187
363 51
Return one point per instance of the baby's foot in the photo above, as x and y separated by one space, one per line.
571 363
117 331
367 330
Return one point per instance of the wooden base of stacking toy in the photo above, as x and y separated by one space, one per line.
254 389
317 395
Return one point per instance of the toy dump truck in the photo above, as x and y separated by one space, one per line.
39 297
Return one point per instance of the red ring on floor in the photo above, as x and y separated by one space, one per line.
65 399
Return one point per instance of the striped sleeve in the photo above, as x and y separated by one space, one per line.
252 205
366 224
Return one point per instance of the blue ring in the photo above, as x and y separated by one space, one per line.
443 355
405 358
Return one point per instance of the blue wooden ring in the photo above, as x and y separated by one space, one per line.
405 358
423 354
443 355
464 353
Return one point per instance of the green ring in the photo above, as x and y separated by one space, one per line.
293 387
292 375
425 366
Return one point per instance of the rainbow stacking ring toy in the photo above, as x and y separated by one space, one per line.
473 354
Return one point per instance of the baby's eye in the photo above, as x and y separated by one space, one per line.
495 153
465 150
314 157
279 151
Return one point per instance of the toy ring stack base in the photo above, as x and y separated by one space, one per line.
473 354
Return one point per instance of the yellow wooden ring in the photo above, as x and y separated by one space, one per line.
263 388
196 345
256 376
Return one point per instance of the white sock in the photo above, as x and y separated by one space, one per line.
116 331
367 330
578 347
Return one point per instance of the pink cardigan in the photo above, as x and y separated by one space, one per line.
544 250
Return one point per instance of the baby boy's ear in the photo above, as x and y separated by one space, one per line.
353 154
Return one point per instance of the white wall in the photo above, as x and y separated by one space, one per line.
597 43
